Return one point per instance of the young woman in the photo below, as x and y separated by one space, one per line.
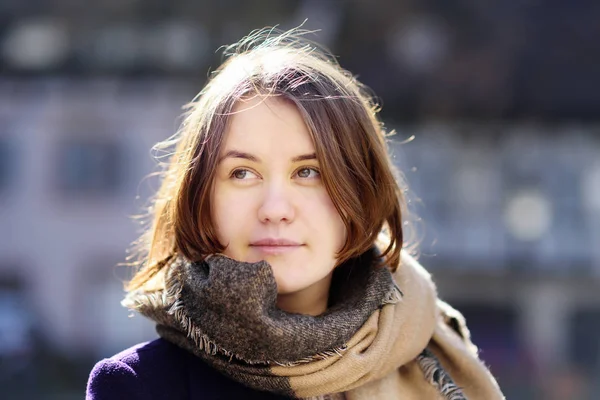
274 265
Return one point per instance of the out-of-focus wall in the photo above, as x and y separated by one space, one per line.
503 173
505 221
75 156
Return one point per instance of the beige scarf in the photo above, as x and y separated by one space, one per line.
384 336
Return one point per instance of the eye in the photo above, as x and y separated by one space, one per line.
242 174
305 173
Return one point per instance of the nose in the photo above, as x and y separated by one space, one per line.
277 205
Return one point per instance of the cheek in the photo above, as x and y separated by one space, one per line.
227 214
327 219
340 231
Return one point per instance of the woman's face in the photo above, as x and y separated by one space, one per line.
269 202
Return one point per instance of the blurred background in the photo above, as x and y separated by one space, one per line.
503 101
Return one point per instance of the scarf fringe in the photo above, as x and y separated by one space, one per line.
393 297
438 377
167 307
172 295
171 299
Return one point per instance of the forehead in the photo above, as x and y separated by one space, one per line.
267 123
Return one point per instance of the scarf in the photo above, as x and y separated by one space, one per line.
383 335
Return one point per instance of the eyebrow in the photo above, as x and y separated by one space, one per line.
253 158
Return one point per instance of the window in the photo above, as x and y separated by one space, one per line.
584 346
104 325
90 166
6 164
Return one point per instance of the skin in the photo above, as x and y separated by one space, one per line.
268 185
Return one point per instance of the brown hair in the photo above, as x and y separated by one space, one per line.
349 139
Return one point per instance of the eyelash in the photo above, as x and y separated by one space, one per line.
232 175
316 170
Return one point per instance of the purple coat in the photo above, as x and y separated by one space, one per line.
161 370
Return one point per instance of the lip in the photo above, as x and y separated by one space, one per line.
275 246
275 242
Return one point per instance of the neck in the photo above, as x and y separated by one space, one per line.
310 301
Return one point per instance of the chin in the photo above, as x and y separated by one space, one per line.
286 290
288 286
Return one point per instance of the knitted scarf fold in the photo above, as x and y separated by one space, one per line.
377 338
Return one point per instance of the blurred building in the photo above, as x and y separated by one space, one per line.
504 171
74 155
507 219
